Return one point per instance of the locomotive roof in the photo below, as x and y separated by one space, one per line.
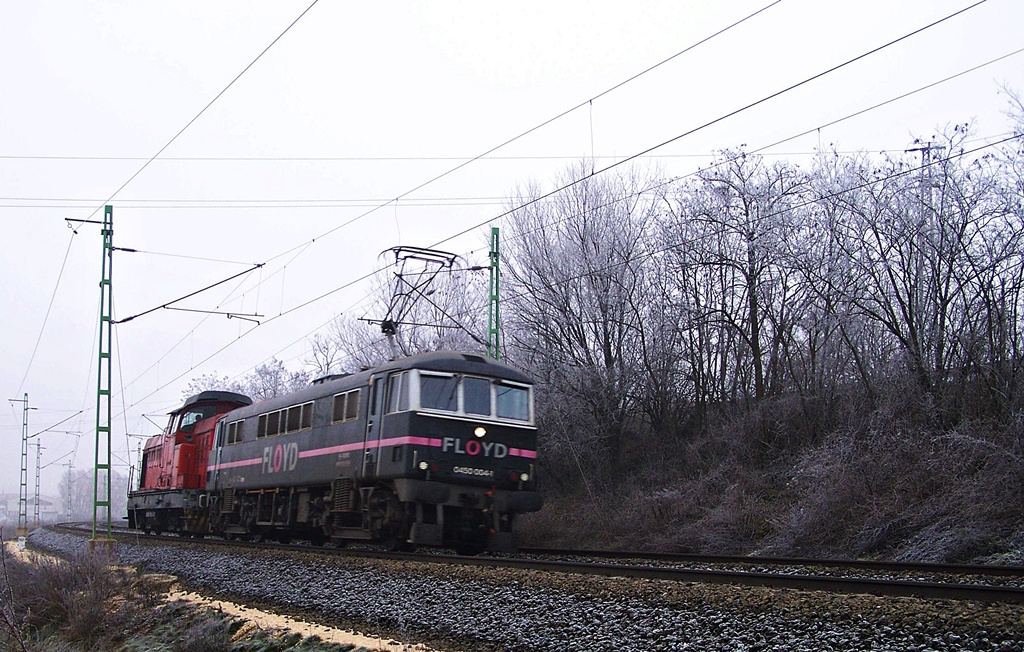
454 362
443 361
209 396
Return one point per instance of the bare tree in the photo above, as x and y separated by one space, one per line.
576 298
728 230
265 381
76 485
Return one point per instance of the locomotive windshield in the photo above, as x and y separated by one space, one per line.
439 393
477 395
196 414
471 395
513 402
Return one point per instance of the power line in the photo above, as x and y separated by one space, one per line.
202 111
838 193
46 317
326 159
535 128
762 148
645 152
895 99
564 187
465 163
452 170
190 294
302 247
56 424
712 122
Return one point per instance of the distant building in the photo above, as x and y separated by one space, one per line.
50 509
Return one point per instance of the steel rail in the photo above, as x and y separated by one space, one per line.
804 562
843 585
892 588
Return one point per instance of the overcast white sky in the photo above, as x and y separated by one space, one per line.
358 104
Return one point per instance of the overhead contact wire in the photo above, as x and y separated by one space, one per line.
203 110
46 317
567 186
539 126
713 122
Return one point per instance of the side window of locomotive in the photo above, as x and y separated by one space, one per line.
398 392
439 392
346 406
234 435
476 395
513 402
307 415
290 419
352 405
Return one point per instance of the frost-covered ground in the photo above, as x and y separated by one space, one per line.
524 610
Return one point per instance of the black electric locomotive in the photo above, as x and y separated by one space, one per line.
436 449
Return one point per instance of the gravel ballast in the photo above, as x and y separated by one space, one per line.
473 608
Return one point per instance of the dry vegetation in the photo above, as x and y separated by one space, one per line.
83 605
886 487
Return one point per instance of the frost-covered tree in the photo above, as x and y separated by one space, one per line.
265 381
576 299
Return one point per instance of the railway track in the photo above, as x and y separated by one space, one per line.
989 584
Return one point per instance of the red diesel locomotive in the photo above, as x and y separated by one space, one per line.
435 449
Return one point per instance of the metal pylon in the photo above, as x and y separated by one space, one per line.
39 460
101 479
22 530
493 314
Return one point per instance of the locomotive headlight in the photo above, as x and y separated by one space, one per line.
525 477
424 466
480 431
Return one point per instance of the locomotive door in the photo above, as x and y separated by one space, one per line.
371 438
212 479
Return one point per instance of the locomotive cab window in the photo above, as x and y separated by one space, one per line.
195 415
469 395
439 392
513 401
398 392
476 395
307 415
294 419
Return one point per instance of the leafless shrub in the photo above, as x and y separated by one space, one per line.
206 634
922 495
10 620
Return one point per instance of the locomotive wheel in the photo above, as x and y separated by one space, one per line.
388 521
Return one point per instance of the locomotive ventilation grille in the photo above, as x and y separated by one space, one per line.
341 495
227 505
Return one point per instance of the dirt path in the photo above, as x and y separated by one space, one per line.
257 619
